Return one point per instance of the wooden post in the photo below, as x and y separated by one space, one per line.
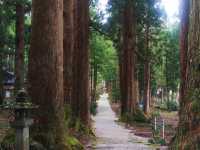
155 124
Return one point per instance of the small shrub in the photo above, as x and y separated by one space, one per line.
138 116
93 108
73 144
169 105
115 95
157 140
172 105
155 114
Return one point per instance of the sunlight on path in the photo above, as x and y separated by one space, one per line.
110 135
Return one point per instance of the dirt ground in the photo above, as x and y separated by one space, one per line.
145 130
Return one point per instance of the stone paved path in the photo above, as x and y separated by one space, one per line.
112 136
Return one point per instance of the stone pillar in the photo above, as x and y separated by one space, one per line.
22 133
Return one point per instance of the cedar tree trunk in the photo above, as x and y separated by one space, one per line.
19 52
68 14
80 85
46 71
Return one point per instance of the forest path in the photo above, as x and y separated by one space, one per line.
112 136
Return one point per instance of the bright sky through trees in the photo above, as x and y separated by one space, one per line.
171 7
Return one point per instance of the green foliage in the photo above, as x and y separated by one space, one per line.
166 69
81 129
170 105
8 31
73 144
155 114
104 55
93 107
104 60
157 140
115 95
138 116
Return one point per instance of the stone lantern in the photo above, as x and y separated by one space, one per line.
22 108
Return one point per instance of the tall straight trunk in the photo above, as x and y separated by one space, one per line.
136 91
147 88
121 79
80 86
128 65
1 73
188 133
121 70
1 80
46 71
147 66
183 45
19 52
68 15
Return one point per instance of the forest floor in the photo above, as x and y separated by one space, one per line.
145 130
111 135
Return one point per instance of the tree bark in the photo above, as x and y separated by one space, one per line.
121 79
128 63
147 88
147 65
188 133
19 52
68 15
46 71
183 44
1 80
80 86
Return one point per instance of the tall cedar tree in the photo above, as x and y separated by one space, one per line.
147 66
183 65
80 85
68 15
1 81
127 67
46 71
188 134
184 46
19 52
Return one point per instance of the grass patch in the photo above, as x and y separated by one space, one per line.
138 116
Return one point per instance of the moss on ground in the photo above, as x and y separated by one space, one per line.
73 143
